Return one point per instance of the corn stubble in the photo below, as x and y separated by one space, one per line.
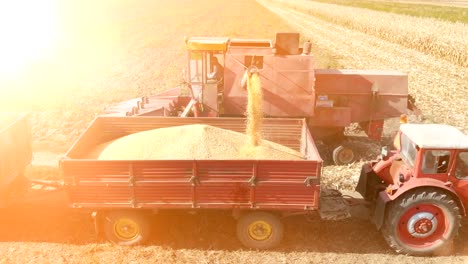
443 39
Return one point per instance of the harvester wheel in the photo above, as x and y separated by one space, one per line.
126 227
343 155
260 230
422 223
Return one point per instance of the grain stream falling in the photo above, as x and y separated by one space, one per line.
254 109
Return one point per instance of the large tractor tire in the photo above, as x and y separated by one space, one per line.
422 223
126 228
260 230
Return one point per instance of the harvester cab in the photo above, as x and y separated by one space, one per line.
419 191
204 75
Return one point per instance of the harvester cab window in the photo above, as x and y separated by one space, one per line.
216 68
196 67
205 66
435 161
461 169
197 72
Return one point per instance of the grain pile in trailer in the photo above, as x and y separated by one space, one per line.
191 142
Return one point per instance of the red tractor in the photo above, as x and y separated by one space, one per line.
419 192
292 87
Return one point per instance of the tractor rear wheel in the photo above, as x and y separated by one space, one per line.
260 230
422 223
126 227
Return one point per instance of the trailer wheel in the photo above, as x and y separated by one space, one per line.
260 230
126 228
343 155
422 223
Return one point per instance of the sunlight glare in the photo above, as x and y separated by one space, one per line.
28 30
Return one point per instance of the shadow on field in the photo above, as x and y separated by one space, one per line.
181 230
208 230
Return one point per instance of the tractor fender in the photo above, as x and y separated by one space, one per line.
415 183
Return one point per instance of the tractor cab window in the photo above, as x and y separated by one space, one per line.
408 150
461 170
435 161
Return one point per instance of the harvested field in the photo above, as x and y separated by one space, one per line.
454 11
441 39
56 236
453 3
440 87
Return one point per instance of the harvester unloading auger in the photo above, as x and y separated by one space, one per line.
329 99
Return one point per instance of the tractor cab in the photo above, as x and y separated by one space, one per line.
425 155
433 151
205 73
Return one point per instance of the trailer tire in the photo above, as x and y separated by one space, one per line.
422 223
343 155
126 228
260 230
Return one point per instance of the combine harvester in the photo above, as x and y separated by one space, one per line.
329 100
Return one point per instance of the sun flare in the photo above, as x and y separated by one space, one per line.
28 30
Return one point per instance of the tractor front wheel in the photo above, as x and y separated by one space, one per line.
126 227
260 230
422 223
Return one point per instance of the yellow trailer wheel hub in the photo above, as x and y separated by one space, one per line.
126 229
260 230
